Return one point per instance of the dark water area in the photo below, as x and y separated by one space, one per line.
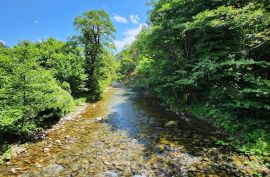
140 115
127 134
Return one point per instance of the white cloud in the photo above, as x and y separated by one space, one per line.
129 37
134 19
3 42
36 21
120 19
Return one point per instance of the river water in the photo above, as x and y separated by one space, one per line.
124 134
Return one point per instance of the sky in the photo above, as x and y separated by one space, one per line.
37 20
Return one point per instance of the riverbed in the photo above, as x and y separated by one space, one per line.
124 134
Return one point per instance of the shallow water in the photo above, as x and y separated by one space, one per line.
124 135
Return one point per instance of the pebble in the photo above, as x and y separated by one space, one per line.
58 142
13 170
46 150
38 165
110 174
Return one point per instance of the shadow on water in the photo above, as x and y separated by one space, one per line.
192 140
143 118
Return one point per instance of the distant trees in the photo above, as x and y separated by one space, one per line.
2 44
95 34
210 55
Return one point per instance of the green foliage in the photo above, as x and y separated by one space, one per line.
38 80
65 62
5 155
129 58
211 57
222 143
105 71
95 34
29 92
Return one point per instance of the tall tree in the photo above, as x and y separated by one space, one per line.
96 31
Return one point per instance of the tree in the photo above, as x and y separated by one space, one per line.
29 94
96 31
66 63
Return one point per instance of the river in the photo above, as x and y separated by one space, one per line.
124 134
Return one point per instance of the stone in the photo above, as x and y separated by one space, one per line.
161 148
119 167
13 170
110 174
75 167
46 150
53 169
264 171
187 119
134 141
38 165
16 150
171 124
58 142
98 119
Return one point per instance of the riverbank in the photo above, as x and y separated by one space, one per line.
13 150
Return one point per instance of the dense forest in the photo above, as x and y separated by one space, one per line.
210 59
42 81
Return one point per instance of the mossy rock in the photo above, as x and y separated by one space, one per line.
171 124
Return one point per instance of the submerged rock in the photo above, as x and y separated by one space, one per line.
53 169
161 148
171 124
109 174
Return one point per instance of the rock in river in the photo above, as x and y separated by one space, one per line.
53 169
171 124
16 150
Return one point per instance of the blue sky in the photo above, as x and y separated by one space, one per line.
39 19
